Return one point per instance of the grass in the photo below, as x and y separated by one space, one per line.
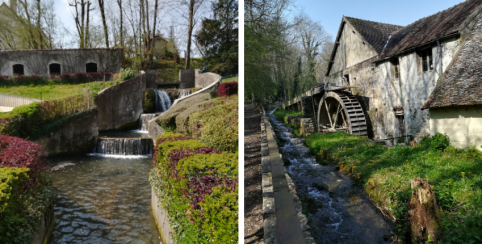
385 173
235 78
282 115
51 92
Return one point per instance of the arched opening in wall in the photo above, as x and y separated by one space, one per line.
54 69
18 69
91 68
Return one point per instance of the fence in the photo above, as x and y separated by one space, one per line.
15 101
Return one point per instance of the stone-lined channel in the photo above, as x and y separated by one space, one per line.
105 197
343 214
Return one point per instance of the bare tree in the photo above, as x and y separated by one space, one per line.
104 23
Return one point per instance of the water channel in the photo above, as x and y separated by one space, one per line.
105 196
343 214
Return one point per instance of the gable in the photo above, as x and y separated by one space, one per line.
350 49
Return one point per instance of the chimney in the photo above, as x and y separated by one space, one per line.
13 5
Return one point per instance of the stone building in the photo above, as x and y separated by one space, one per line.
414 80
60 61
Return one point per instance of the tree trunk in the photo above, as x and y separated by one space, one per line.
86 35
189 34
424 214
119 2
106 33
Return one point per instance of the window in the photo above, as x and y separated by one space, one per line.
18 69
91 68
396 68
426 59
54 69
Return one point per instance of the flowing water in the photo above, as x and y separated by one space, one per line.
184 92
143 121
163 102
343 214
105 197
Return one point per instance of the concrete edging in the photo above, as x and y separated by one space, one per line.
161 218
279 214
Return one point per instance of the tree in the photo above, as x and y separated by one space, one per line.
192 9
218 37
102 13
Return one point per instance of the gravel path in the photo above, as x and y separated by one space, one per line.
253 195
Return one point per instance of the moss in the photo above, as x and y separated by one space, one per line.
169 117
149 101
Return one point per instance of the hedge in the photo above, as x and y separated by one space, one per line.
197 185
25 193
77 78
228 89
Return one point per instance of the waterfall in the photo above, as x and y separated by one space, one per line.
123 147
184 92
144 120
163 102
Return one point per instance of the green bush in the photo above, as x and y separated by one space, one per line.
282 115
218 125
437 142
149 101
197 186
127 74
11 179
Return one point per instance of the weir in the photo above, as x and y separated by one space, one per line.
184 92
123 147
143 120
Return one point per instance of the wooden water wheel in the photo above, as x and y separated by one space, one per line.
341 111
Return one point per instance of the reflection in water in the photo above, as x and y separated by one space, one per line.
343 215
103 200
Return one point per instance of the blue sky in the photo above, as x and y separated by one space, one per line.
329 12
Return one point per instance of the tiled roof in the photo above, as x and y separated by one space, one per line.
430 28
461 83
375 33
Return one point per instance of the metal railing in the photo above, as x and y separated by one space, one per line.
15 101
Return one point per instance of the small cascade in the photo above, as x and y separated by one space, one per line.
163 102
184 92
144 120
123 147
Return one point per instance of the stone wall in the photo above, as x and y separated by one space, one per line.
151 77
76 136
120 106
45 227
36 62
205 79
186 76
162 221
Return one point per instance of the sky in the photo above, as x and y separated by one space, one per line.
330 12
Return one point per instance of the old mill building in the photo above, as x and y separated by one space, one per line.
389 82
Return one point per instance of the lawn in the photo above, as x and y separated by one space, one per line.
51 92
234 78
385 174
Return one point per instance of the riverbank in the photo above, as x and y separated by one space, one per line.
385 174
253 195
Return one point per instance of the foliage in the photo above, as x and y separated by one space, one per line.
228 89
30 120
197 185
217 126
283 115
385 173
149 101
436 142
127 74
218 37
11 183
19 153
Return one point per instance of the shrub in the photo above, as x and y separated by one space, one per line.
228 89
149 101
66 79
4 80
11 183
19 153
95 76
127 74
80 78
197 185
436 142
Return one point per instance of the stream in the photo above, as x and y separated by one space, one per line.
343 214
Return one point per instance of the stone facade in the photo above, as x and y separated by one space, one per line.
37 62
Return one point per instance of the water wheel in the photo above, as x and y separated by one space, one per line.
341 111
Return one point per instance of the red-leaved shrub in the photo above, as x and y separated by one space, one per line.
19 153
80 78
228 89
